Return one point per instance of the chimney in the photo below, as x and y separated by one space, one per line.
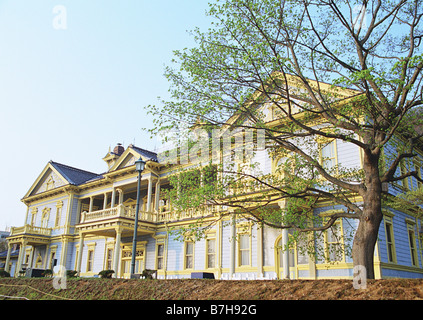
119 149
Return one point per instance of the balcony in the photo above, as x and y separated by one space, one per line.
119 211
28 229
122 211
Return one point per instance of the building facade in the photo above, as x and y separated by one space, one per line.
85 222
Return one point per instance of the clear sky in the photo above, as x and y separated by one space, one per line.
74 78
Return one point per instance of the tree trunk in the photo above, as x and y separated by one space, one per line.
368 227
365 241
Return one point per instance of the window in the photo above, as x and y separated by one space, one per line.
127 260
334 242
109 259
412 243
269 112
244 249
403 170
38 262
59 207
160 256
189 255
90 260
418 169
33 216
390 245
211 253
284 166
45 217
76 258
52 259
281 251
301 248
139 260
27 258
328 154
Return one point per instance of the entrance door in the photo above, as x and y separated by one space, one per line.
298 259
279 261
126 262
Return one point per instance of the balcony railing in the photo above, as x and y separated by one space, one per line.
28 229
122 211
119 211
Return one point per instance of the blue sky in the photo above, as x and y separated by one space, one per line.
68 94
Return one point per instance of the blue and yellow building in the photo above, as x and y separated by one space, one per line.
84 221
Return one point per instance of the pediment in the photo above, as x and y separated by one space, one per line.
127 159
48 179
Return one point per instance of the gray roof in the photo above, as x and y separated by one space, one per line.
73 175
13 253
77 176
149 155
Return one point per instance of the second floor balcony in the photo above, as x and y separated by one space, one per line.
29 229
120 211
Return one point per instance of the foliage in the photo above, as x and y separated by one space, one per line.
4 274
71 273
106 274
148 273
47 273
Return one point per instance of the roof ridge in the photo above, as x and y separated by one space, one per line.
72 168
134 146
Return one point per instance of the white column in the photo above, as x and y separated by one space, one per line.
120 191
105 201
149 193
64 252
260 250
46 257
285 252
117 251
9 251
31 257
113 198
91 204
21 256
219 248
233 246
157 196
81 248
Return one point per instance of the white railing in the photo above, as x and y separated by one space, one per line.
122 211
30 230
119 211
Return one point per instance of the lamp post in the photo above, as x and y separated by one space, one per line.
139 167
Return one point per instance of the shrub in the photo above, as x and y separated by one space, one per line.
106 274
4 274
71 273
148 273
47 273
